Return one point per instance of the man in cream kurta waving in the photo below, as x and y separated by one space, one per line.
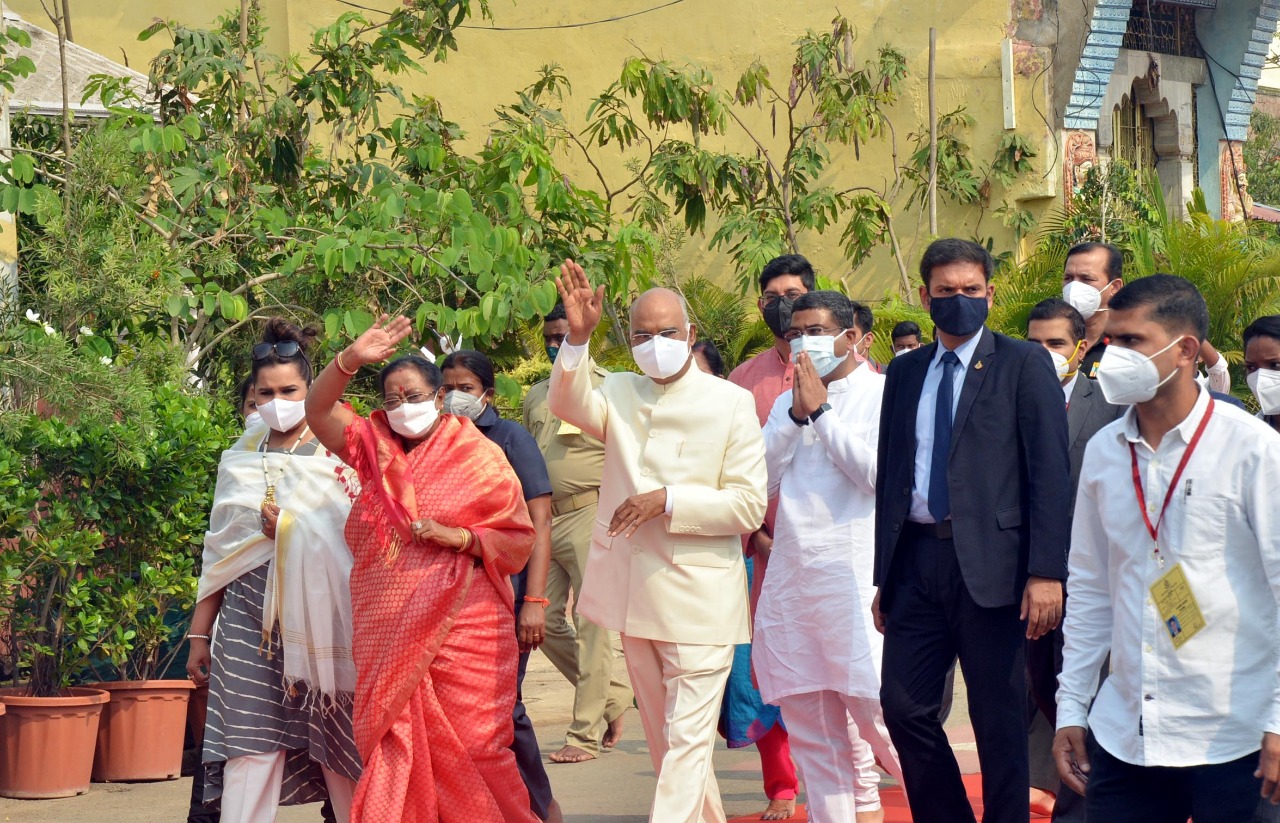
684 478
816 652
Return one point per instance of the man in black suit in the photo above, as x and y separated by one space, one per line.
972 525
1056 325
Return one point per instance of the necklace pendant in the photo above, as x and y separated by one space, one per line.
269 499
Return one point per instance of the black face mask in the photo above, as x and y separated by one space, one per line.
958 314
777 315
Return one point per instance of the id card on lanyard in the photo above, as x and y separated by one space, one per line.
1171 592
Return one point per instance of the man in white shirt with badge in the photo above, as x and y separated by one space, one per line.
1174 570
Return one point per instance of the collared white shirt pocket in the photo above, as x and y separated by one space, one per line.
1204 525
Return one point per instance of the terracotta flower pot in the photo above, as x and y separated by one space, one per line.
140 736
46 743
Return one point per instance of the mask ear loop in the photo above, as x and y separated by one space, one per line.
1074 352
858 357
1152 358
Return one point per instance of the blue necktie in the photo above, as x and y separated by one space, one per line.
939 494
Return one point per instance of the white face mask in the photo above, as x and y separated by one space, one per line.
1265 385
1061 365
901 352
1128 377
821 351
662 357
282 415
1083 297
412 419
252 419
463 404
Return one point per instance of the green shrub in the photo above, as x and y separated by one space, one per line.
109 521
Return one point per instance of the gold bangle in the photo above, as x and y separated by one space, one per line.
342 366
466 541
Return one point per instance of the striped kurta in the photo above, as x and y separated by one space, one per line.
251 713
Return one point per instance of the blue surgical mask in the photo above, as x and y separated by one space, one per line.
821 351
552 351
959 314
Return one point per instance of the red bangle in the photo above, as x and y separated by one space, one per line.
342 367
544 601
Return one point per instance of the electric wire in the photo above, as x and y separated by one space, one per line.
583 24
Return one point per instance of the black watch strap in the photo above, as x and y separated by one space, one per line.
818 412
799 421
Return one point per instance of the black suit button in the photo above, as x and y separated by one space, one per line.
906 492
896 527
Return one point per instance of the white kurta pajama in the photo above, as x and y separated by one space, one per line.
816 652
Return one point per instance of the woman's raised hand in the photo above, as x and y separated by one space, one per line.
380 340
582 304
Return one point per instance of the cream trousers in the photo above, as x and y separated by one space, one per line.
251 789
679 687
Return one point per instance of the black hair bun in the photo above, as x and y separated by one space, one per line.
279 330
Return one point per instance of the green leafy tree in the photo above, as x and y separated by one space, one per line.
1114 201
257 185
1262 157
766 201
1237 270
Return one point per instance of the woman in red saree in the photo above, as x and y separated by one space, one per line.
439 526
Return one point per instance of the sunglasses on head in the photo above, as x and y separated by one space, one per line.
285 348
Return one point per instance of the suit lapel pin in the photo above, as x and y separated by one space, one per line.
978 365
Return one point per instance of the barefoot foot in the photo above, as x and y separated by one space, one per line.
870 817
554 813
613 734
779 810
571 754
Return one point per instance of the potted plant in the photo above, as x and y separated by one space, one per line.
153 515
51 619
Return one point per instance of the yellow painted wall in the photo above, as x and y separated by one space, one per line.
724 35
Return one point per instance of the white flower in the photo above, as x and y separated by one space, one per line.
33 316
86 331
106 361
48 329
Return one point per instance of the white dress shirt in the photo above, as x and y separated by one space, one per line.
924 421
1210 701
1069 387
813 626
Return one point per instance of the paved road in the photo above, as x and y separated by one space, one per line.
616 788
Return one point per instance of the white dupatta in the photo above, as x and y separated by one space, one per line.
308 593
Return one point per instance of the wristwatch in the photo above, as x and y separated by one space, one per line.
799 421
818 412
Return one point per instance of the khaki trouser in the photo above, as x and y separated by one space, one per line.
582 651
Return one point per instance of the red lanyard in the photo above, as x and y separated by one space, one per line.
1154 529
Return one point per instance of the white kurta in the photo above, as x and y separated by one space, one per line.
813 627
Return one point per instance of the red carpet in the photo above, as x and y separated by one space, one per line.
895 804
